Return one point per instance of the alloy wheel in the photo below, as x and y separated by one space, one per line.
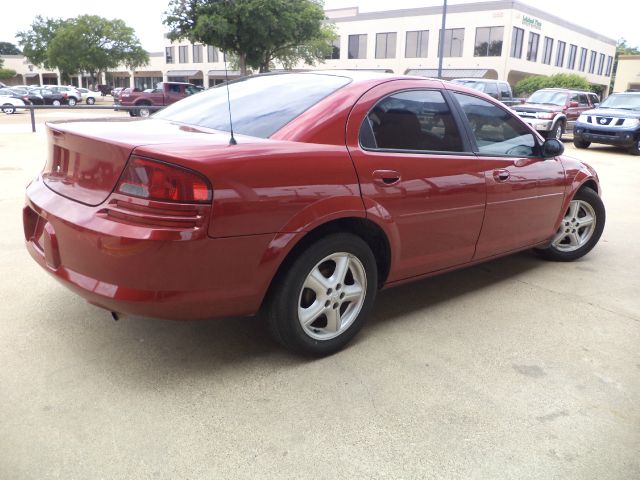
576 228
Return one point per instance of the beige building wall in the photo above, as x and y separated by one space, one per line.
628 73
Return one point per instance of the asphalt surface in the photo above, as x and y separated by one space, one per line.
514 369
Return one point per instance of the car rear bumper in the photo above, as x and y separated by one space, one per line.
608 136
143 270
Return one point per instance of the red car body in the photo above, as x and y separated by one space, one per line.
425 214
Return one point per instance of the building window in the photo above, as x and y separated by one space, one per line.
417 44
212 54
546 50
386 45
532 47
453 42
573 52
560 53
583 59
183 54
358 46
592 61
488 42
197 54
335 50
609 65
169 55
601 64
517 39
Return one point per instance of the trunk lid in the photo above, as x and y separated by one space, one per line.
86 158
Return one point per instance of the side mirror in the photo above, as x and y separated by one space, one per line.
552 148
573 104
596 105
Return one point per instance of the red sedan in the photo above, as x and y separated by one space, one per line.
335 184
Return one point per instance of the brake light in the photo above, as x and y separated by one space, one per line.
161 181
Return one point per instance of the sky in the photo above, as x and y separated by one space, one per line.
618 20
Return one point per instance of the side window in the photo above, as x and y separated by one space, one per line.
190 90
497 132
505 91
583 100
411 120
174 88
491 88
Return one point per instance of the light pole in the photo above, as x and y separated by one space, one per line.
441 47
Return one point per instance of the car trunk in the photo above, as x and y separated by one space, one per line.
85 159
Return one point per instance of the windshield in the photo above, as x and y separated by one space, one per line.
624 101
260 106
548 97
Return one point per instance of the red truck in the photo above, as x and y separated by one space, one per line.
164 94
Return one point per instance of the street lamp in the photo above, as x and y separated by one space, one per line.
441 48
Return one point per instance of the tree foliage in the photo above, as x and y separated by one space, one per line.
257 32
7 48
622 48
559 80
6 72
87 43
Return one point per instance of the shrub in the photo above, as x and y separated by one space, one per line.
560 80
7 73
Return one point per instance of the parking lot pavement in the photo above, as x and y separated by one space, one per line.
514 369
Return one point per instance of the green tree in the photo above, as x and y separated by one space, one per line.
622 48
7 48
257 32
87 43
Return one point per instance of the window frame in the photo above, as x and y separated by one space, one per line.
387 50
491 31
446 53
419 38
530 49
560 52
517 42
573 56
361 56
547 50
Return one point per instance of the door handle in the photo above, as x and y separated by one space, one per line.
501 175
386 178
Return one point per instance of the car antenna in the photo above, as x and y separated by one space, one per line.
232 140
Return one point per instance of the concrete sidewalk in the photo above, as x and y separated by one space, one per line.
515 369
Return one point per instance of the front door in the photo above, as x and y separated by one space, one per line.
417 171
525 192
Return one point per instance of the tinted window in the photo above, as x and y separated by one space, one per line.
413 120
260 105
505 90
496 131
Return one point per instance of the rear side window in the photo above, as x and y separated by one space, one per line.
411 120
505 91
496 131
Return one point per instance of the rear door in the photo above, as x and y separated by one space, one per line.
524 191
418 173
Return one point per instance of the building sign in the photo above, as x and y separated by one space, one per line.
531 22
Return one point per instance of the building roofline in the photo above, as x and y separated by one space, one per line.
469 7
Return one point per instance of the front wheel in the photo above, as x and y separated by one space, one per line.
580 229
635 148
144 112
56 103
320 302
91 101
556 131
8 109
580 143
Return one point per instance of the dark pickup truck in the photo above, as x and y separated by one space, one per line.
496 88
164 94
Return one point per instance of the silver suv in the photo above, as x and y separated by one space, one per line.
72 94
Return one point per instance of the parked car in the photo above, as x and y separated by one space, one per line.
29 98
332 185
88 96
616 121
51 98
554 111
116 92
9 102
497 89
72 94
104 90
165 93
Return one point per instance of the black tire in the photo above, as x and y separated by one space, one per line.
288 292
91 100
557 131
72 102
578 143
133 113
8 109
635 148
558 252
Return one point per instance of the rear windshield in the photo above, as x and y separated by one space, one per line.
475 84
623 101
260 106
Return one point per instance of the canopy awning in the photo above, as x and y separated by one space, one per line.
449 72
31 74
220 73
182 73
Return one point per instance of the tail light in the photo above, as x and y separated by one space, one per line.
154 180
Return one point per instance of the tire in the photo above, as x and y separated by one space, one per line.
8 109
309 310
635 148
577 234
557 131
56 103
144 111
91 100
72 102
133 113
580 143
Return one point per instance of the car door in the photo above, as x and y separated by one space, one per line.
418 173
525 192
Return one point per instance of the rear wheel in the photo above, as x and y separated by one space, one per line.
8 109
320 302
72 102
91 101
580 143
580 229
56 103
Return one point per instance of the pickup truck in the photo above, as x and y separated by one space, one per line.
496 88
164 94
